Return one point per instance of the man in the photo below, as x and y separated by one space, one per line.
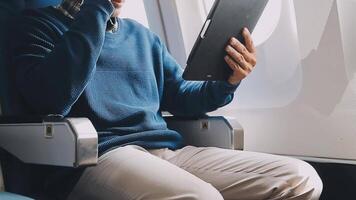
80 59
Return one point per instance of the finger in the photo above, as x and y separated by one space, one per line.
235 67
236 44
237 57
232 64
248 41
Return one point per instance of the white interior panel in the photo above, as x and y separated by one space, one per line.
315 115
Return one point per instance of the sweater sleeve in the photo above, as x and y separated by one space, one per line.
191 98
53 68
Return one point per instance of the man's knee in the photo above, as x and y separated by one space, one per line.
204 192
309 184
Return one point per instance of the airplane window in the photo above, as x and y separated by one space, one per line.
135 9
207 5
191 21
266 24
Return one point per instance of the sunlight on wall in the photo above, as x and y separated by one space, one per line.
268 22
135 9
348 29
313 16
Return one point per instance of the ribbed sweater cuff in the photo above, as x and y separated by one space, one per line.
227 88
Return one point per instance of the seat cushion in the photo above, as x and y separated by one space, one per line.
10 196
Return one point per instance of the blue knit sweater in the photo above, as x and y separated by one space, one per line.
121 81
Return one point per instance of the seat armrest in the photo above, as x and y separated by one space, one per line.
67 142
238 132
209 131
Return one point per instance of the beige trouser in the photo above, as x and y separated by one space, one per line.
193 173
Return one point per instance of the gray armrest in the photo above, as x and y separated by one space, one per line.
238 132
209 131
70 142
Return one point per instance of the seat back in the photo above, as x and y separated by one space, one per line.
9 99
8 9
2 186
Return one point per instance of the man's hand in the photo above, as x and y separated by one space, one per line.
241 59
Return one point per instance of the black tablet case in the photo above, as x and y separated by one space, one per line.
227 18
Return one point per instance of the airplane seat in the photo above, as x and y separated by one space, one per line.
9 97
11 105
54 140
7 9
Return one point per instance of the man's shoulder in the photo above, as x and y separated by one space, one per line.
134 27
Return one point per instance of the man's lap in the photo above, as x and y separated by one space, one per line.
247 175
131 172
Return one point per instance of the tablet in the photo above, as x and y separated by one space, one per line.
226 19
